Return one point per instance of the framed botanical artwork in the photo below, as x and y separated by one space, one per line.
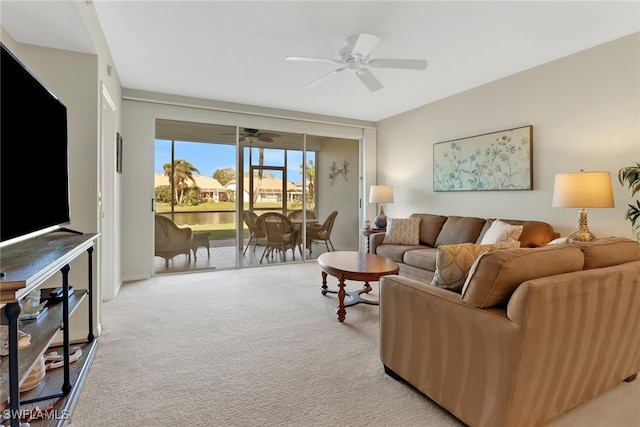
493 161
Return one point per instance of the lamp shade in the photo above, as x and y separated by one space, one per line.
381 194
583 190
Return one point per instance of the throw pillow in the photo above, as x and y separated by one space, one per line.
501 231
558 241
454 261
495 275
402 231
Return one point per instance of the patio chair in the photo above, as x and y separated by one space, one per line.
281 234
171 240
321 232
256 235
297 215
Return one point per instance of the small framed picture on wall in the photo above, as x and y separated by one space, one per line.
118 152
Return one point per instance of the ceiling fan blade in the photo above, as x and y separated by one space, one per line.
335 71
265 138
407 64
365 44
269 135
369 80
311 59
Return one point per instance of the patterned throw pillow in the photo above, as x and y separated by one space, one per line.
501 231
453 262
402 231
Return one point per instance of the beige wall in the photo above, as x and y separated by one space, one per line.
340 194
585 112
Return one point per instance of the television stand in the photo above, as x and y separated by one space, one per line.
28 265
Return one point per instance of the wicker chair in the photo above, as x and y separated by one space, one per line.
298 215
280 232
171 240
256 235
321 232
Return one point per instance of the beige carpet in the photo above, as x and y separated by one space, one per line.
261 347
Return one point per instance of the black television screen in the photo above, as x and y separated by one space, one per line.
34 178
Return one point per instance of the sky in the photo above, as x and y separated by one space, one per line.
208 158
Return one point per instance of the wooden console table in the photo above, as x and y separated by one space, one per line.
27 265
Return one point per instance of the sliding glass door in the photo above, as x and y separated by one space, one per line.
219 180
193 170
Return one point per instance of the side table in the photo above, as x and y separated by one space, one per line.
369 231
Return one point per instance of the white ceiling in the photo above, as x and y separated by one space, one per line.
235 51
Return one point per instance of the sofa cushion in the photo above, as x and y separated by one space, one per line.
608 251
500 231
430 226
454 261
458 229
534 233
402 231
395 252
496 274
424 258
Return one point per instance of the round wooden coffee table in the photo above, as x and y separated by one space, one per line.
348 265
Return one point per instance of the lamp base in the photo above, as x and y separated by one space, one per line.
381 220
582 233
582 236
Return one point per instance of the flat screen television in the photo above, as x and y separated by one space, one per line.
34 172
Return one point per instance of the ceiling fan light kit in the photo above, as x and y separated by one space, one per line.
251 135
354 56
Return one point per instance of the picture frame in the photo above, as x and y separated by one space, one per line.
118 152
497 161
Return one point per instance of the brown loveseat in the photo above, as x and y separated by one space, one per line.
535 332
419 261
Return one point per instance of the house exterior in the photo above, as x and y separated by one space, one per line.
210 188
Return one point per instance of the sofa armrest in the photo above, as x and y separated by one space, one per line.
462 357
581 338
375 240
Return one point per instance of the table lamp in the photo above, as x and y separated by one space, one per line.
583 190
381 194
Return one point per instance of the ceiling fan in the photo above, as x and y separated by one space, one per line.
354 56
252 135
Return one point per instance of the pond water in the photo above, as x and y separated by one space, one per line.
202 218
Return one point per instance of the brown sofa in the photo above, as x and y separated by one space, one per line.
535 332
419 261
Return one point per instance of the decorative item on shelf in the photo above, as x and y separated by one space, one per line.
35 375
24 340
366 225
631 176
381 194
583 190
333 174
32 308
53 359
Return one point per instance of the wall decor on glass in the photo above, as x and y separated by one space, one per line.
493 161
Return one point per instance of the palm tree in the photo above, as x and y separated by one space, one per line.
179 173
631 176
309 171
